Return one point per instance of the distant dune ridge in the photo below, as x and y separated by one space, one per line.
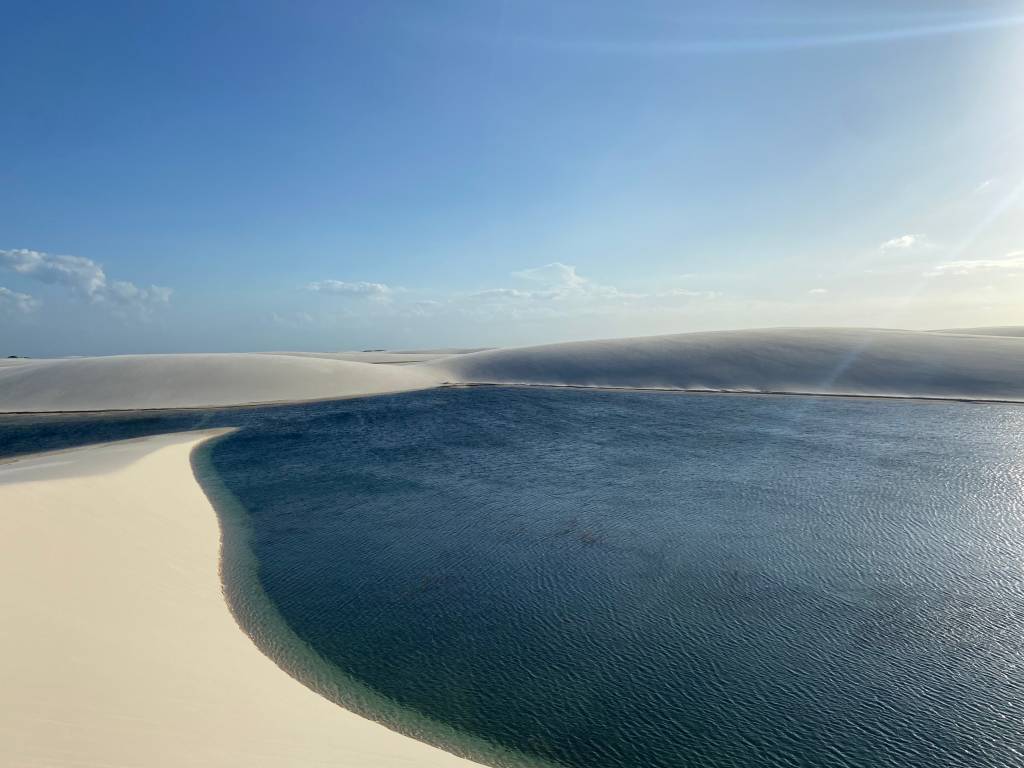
996 330
183 381
977 364
802 360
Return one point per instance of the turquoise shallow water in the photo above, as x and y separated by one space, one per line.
614 579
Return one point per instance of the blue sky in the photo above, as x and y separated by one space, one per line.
329 175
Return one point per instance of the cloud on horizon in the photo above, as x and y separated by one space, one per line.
555 273
560 282
553 290
13 301
1011 263
84 277
356 288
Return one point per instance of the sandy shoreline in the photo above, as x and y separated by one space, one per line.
116 645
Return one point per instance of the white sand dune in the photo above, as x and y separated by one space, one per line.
990 330
182 381
838 361
386 355
116 645
379 358
848 361
8 361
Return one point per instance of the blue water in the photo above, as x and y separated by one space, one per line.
614 579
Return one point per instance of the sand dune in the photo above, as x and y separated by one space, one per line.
991 330
182 381
117 647
387 355
846 361
379 358
811 360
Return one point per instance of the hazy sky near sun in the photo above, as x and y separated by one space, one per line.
197 176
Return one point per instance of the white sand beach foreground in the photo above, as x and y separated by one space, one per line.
116 645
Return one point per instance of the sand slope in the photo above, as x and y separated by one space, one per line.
992 330
812 360
850 361
385 356
116 645
181 381
378 358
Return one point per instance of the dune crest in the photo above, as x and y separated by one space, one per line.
836 361
128 382
830 361
993 330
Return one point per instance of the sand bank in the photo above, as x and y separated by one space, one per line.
116 645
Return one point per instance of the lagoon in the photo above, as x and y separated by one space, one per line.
610 579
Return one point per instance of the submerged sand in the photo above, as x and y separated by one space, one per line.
116 645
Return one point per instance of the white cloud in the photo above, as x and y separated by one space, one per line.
358 288
818 291
555 273
506 293
13 301
553 291
83 276
901 243
686 293
1012 263
560 281
559 291
129 293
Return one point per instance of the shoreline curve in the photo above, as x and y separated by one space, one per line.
117 646
259 619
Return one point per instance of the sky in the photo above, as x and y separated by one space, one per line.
241 176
